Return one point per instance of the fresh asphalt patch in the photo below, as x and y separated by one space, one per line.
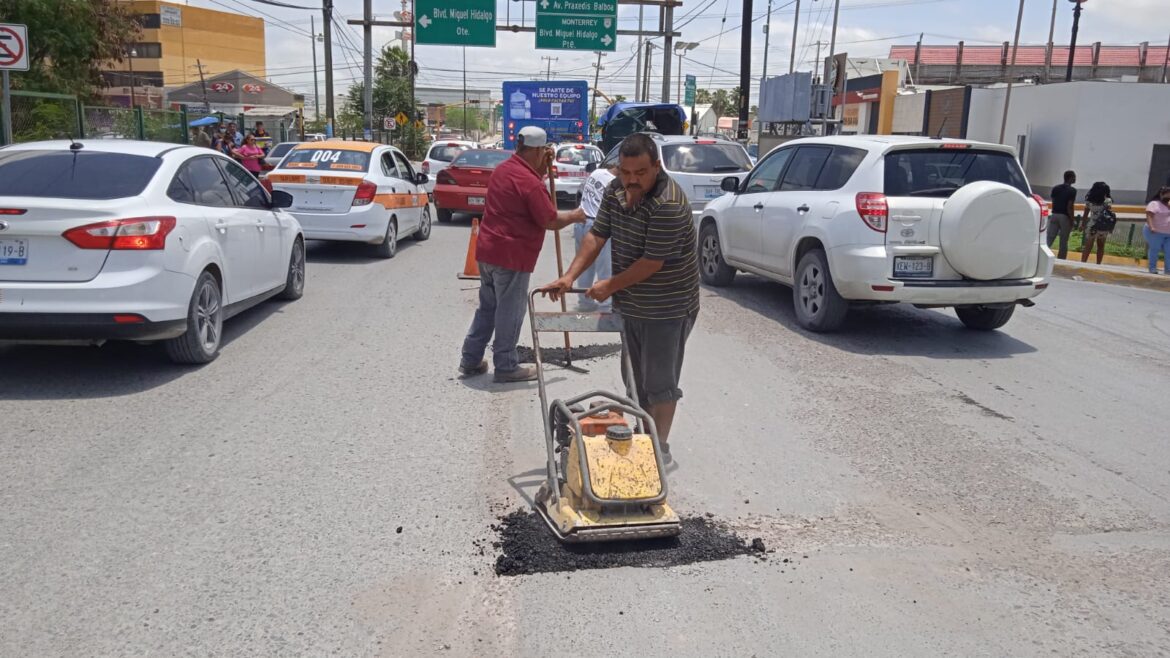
578 352
527 546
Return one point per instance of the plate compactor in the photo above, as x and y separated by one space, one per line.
606 480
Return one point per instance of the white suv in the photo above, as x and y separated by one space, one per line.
932 222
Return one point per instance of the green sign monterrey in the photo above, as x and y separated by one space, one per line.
576 24
455 22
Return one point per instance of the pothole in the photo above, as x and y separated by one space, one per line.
579 353
527 546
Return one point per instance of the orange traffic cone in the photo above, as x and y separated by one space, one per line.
470 267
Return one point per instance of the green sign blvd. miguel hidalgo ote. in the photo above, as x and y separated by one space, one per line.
455 22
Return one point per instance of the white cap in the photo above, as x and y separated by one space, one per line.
532 137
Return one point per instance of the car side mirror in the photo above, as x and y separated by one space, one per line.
281 199
729 184
421 179
591 167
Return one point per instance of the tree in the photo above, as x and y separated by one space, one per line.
71 42
702 97
391 75
475 119
619 99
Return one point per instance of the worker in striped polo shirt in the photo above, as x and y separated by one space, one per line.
646 218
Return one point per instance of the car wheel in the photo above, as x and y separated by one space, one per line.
984 318
201 342
712 268
818 305
294 283
424 226
389 246
444 215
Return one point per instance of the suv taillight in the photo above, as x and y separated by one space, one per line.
874 210
1044 212
365 194
426 166
136 233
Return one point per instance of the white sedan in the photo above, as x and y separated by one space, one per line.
139 241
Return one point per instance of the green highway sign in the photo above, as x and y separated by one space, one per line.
576 25
689 94
455 22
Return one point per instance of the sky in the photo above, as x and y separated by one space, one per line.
867 28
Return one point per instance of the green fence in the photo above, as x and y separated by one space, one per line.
37 116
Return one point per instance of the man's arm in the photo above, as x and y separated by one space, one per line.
642 269
591 246
567 218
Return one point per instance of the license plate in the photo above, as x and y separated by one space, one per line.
709 192
475 201
13 252
914 266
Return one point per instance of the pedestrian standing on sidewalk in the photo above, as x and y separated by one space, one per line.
647 219
1157 230
1098 220
517 215
592 191
1064 199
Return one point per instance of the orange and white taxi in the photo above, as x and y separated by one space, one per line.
354 192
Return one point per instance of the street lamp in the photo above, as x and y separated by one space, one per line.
1072 48
680 49
133 54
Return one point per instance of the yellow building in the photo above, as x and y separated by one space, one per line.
175 40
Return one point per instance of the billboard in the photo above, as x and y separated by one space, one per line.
560 107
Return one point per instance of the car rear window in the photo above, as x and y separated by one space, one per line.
280 149
446 153
326 158
480 158
81 175
705 158
939 172
578 155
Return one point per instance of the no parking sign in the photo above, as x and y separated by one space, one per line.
13 47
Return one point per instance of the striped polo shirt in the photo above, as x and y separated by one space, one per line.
659 228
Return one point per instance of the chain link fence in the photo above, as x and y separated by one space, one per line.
110 122
164 126
37 116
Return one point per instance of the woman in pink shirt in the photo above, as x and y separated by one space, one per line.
250 155
1157 229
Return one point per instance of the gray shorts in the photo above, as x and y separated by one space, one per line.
656 351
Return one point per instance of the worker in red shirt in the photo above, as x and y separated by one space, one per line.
517 214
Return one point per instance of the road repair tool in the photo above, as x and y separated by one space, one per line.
606 480
552 194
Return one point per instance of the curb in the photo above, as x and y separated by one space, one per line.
1067 270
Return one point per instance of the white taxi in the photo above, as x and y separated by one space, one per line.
354 192
572 166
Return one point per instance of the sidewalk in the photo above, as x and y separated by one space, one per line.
1134 276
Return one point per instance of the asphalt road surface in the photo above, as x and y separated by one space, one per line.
921 489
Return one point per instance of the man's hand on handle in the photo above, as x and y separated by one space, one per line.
557 289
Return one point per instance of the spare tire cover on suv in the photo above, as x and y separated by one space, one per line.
988 230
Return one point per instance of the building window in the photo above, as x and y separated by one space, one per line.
150 21
140 78
146 50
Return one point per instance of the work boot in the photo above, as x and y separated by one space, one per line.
468 371
521 374
667 459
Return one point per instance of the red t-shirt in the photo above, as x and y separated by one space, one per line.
516 215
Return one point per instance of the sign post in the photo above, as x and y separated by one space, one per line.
689 99
576 25
455 22
13 57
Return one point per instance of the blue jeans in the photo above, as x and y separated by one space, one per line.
503 301
601 269
1158 242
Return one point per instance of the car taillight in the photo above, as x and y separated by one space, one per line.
265 183
1044 212
131 234
426 166
874 210
12 211
445 178
366 191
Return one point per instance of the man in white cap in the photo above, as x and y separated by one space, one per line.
517 213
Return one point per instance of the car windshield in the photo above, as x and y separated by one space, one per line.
939 172
578 155
327 158
75 175
486 158
447 152
692 158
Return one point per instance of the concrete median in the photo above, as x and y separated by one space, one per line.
1121 275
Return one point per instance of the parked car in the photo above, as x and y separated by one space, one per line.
698 165
462 186
142 241
277 153
753 151
355 192
440 155
572 164
932 222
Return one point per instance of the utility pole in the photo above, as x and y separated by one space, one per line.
465 92
550 60
203 83
833 35
368 69
667 43
327 12
596 81
795 25
767 41
638 67
745 70
130 58
1051 43
316 89
1072 47
816 72
1166 65
649 66
1007 99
